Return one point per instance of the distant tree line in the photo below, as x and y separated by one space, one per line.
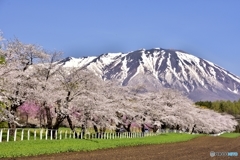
230 107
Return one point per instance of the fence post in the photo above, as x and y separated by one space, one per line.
15 134
56 133
35 134
60 136
51 134
28 134
7 135
73 135
22 134
46 134
1 135
81 136
65 134
41 134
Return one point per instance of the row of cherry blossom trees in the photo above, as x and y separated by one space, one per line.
33 82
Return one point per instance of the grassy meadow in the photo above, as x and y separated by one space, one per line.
37 147
230 135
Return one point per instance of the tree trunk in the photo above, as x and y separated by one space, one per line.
71 125
40 119
55 127
49 117
27 119
44 119
155 128
128 127
96 131
193 128
118 128
142 129
59 120
12 125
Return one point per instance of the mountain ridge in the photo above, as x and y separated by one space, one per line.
159 68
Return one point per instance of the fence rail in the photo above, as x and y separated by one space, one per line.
20 134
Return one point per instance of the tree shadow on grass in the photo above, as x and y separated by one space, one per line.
91 140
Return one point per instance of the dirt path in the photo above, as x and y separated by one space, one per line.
198 148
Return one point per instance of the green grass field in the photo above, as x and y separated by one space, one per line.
37 147
230 135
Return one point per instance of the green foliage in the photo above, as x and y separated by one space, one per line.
2 105
230 135
37 147
2 60
3 125
229 107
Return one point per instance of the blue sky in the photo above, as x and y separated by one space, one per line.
207 29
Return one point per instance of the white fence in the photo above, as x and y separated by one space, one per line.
46 134
33 134
21 134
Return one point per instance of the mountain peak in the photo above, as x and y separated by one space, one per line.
159 68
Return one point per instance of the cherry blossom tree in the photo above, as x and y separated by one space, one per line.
15 82
176 111
29 109
44 91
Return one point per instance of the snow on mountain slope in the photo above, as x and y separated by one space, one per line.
76 62
160 68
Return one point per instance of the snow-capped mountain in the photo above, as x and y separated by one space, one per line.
163 68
